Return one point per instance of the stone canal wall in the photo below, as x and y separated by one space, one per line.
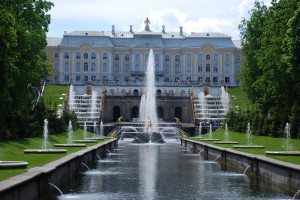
285 175
34 184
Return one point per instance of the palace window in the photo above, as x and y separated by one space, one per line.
93 78
78 55
126 69
78 67
216 57
237 57
207 79
85 67
86 78
177 69
177 58
66 66
189 68
66 55
227 79
137 68
227 57
207 68
146 57
117 57
216 68
104 57
67 77
56 55
200 79
93 67
156 57
93 56
86 55
200 68
189 57
227 68
117 68
77 78
200 57
207 57
167 58
105 69
137 57
237 68
215 79
56 66
126 57
167 69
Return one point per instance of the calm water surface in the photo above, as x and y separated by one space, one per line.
165 171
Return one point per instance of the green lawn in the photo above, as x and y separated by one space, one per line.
270 143
12 150
238 97
54 94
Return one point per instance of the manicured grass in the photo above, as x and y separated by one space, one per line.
54 94
238 97
12 150
270 143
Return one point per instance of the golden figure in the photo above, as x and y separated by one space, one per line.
177 120
119 120
147 22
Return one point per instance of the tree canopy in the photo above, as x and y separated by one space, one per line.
23 64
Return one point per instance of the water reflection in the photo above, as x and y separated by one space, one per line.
166 172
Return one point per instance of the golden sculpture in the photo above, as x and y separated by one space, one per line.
147 22
119 120
177 120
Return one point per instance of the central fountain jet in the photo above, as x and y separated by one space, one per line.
148 113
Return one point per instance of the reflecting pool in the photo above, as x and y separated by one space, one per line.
165 171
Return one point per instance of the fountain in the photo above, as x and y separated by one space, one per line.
210 135
70 138
248 138
288 148
45 149
71 98
148 113
226 136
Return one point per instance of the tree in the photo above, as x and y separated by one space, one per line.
23 62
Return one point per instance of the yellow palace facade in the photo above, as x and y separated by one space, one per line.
120 58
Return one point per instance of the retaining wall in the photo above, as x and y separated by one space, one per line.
285 175
34 184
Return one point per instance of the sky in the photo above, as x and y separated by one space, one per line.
221 16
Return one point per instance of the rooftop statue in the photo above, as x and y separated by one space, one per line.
147 23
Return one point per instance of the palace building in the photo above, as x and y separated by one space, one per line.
120 57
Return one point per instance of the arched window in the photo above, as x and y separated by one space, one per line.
85 66
167 58
146 57
137 67
207 57
86 55
93 67
117 68
156 57
117 57
78 67
237 57
126 57
56 55
167 68
177 58
237 68
66 66
227 68
177 69
216 57
78 55
207 67
157 67
93 56
56 66
189 68
104 57
66 55
227 57
200 57
189 57
105 70
126 69
199 68
137 57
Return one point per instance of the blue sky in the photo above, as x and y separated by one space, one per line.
193 15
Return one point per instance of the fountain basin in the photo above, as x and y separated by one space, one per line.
13 164
69 145
226 142
249 146
44 151
146 138
85 141
205 139
283 153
